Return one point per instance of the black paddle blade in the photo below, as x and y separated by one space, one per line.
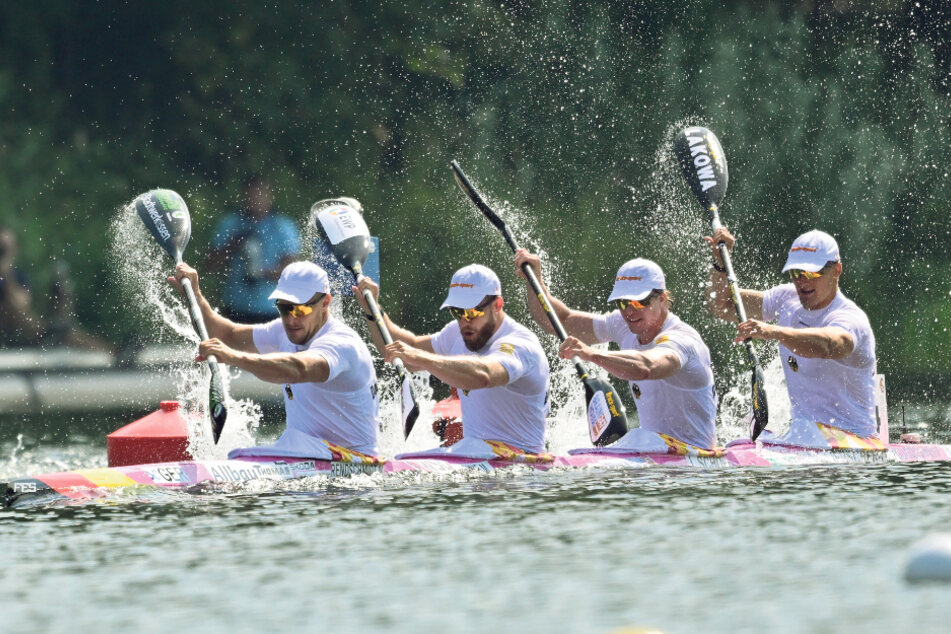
343 226
703 163
760 407
166 216
463 181
607 420
216 401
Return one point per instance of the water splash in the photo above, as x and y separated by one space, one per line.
141 269
16 451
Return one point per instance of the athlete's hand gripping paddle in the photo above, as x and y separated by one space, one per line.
166 216
345 230
704 167
607 420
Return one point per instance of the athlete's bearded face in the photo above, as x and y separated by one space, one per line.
476 331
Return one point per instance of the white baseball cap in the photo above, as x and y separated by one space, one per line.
470 285
636 279
300 281
811 251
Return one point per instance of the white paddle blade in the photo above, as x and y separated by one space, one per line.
345 229
598 416
341 221
607 421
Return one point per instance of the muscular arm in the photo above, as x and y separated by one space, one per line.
719 299
630 365
276 367
720 303
830 342
237 336
465 373
577 323
423 342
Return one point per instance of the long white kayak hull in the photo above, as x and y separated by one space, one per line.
96 483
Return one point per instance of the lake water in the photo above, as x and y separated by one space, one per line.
745 550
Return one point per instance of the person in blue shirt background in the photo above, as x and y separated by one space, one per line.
253 246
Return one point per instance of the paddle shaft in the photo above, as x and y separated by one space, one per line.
732 283
529 273
380 324
549 311
197 321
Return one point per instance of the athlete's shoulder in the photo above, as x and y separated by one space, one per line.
845 308
513 330
678 332
336 330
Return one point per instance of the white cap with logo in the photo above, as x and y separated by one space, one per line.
300 281
636 279
812 251
470 285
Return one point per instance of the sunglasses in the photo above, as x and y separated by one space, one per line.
796 274
297 310
622 304
469 313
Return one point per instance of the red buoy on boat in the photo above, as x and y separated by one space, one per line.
162 436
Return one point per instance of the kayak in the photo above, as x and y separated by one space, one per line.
474 456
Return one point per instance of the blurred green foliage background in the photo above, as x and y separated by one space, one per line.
833 115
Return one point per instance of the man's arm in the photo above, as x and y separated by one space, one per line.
276 367
830 342
577 323
424 342
719 299
462 372
630 365
720 302
237 336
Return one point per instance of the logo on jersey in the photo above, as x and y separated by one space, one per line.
507 348
793 365
661 339
636 391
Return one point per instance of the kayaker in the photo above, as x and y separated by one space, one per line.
825 340
664 360
497 364
329 381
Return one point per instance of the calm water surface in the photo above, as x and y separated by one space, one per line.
795 550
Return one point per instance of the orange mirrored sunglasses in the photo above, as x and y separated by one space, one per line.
469 313
297 310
